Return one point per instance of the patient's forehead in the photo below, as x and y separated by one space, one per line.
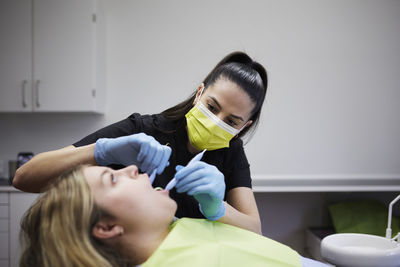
95 176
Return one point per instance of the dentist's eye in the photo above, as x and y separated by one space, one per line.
113 179
231 123
211 108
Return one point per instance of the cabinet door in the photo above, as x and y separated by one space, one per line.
64 55
19 204
15 55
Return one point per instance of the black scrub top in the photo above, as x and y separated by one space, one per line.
232 161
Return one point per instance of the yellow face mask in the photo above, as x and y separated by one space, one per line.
207 131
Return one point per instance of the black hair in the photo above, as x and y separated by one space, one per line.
236 67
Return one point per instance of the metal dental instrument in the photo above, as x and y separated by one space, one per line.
388 229
198 157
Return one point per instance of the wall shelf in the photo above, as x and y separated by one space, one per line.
325 184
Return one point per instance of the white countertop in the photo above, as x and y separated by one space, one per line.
312 184
5 188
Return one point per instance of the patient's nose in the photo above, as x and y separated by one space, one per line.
131 171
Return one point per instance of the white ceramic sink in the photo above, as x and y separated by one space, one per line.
360 250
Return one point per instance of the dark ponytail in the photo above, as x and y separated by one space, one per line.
239 68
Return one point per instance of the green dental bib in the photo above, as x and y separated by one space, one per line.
199 242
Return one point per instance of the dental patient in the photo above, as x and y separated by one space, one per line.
96 216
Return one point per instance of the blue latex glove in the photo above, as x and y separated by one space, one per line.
139 149
206 184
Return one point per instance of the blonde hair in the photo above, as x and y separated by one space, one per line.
57 229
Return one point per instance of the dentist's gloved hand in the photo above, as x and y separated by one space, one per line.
139 149
206 184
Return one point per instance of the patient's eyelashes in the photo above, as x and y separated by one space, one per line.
113 178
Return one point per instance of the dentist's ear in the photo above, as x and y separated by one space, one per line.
247 124
105 230
250 122
198 93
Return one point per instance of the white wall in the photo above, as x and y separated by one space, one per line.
332 106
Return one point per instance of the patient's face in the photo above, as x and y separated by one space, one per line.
129 196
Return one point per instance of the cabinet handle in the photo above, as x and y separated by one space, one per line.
23 93
37 93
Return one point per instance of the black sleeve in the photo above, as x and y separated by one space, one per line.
236 168
132 124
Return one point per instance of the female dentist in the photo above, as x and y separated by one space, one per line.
225 107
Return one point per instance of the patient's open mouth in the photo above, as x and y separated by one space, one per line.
162 190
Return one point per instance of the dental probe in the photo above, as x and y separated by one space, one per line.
152 176
198 157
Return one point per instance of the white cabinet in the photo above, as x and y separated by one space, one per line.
49 56
13 205
15 55
4 229
19 204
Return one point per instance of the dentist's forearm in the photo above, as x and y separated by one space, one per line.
236 218
34 175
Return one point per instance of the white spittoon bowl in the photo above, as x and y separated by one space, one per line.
360 250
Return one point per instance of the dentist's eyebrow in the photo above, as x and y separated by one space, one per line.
215 101
236 117
219 106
